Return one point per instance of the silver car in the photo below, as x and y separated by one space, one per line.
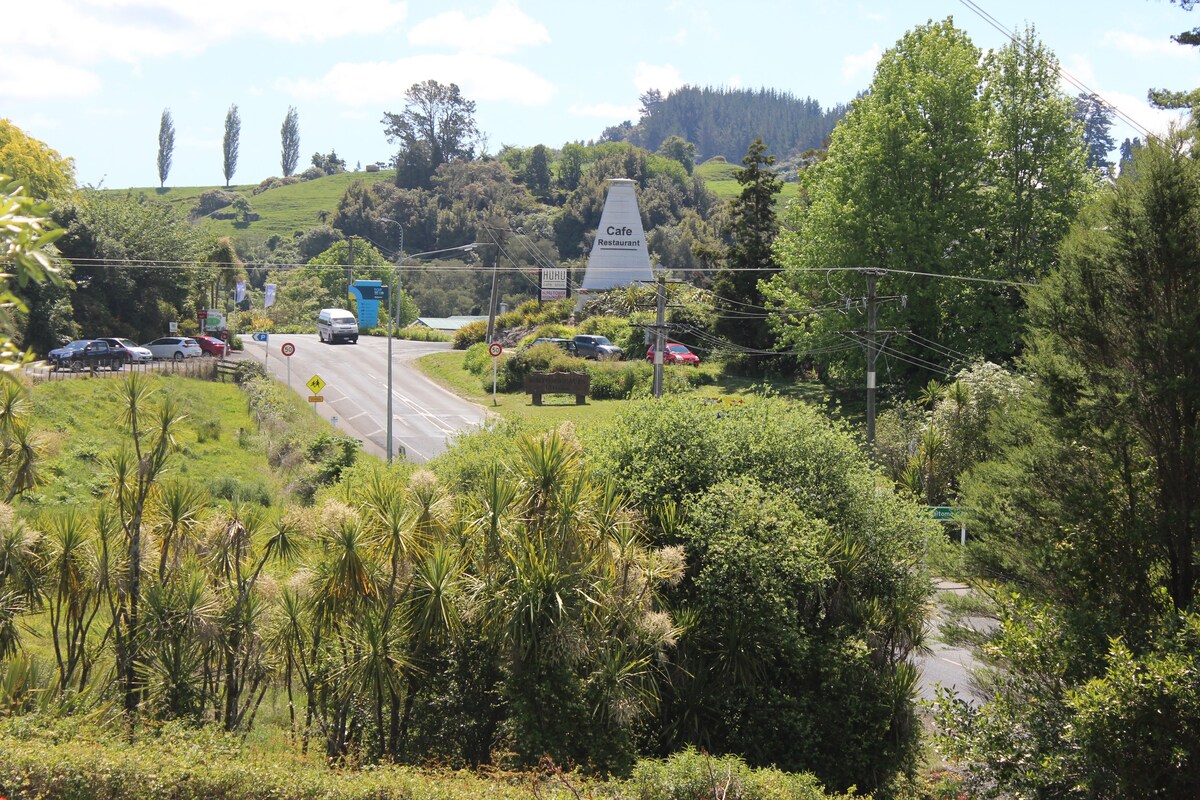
174 347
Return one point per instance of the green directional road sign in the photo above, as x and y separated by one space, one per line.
943 512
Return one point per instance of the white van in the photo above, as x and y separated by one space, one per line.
337 324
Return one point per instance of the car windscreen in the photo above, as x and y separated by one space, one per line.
677 348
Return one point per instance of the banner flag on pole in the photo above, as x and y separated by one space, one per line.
269 295
240 292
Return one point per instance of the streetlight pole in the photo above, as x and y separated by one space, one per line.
394 303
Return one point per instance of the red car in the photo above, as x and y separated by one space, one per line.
675 354
212 346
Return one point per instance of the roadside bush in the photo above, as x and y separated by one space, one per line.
541 358
469 334
247 371
551 330
616 380
477 358
617 330
690 775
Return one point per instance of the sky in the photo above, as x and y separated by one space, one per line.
91 78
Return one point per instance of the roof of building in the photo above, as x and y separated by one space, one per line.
448 323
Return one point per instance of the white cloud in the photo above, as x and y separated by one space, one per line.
681 37
480 77
86 31
857 65
41 79
503 30
610 111
1081 69
663 77
1156 120
1146 47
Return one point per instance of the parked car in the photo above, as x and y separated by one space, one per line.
567 345
675 353
174 347
212 346
597 348
85 354
128 349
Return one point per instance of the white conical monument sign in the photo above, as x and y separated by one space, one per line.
619 255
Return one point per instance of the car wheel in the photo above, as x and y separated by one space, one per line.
115 365
178 356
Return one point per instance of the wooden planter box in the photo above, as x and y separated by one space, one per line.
576 383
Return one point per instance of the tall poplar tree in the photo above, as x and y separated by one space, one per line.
166 146
229 147
289 135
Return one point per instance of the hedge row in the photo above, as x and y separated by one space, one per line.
83 762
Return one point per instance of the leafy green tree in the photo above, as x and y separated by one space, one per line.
44 174
570 166
681 150
1037 169
860 214
1102 544
1128 148
166 146
436 126
537 172
329 163
289 135
752 231
1096 117
109 239
26 236
229 144
974 173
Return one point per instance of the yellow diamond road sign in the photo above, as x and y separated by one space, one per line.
316 384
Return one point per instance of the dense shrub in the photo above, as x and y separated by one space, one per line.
228 487
803 579
690 775
469 334
477 358
212 200
541 358
53 759
274 183
616 380
551 330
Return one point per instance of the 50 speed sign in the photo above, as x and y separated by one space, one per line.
288 349
495 349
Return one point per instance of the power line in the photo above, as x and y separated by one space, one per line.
1062 73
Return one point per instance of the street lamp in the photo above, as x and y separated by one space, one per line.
394 299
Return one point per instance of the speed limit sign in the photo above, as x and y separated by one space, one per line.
495 349
288 349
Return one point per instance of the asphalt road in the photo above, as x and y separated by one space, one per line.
425 416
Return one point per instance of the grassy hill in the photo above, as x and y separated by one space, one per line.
718 175
287 210
283 211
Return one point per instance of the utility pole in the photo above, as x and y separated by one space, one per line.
350 263
660 335
393 304
872 352
491 329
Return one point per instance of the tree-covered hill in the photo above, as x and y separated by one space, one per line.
723 122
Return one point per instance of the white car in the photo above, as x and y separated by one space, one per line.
174 347
135 353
